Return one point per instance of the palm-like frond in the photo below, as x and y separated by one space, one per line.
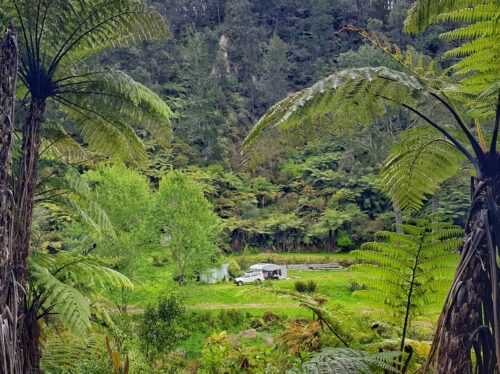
58 145
349 361
478 69
339 104
68 32
65 283
57 39
418 163
107 106
410 271
70 200
63 352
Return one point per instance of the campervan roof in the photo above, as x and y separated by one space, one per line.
266 267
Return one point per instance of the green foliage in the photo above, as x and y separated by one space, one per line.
63 353
126 186
479 34
407 274
57 41
234 268
306 287
221 356
342 103
419 162
349 361
162 327
70 285
190 226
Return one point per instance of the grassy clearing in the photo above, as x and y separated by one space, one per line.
151 281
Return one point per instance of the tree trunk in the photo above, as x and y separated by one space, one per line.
469 322
28 330
331 241
10 362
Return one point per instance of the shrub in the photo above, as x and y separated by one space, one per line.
300 286
303 287
227 319
234 269
257 323
355 286
270 318
159 261
301 337
344 241
161 328
312 286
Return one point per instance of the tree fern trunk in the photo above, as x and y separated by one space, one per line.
469 323
28 331
9 359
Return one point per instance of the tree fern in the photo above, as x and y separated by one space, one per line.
418 163
339 104
64 283
408 274
64 353
349 361
59 37
478 68
67 196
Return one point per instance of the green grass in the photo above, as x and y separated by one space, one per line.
151 281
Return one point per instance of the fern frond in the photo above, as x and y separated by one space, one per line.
417 165
71 306
483 30
63 352
350 361
339 104
57 144
413 278
67 283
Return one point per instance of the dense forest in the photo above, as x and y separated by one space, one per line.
224 66
152 151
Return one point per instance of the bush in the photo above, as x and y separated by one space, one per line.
270 318
300 286
301 337
228 319
312 286
234 269
303 287
344 241
355 286
159 261
161 328
257 323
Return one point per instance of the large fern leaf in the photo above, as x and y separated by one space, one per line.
478 69
409 272
66 284
418 163
339 104
57 39
349 361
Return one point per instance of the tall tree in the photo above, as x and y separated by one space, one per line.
189 225
429 154
57 39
